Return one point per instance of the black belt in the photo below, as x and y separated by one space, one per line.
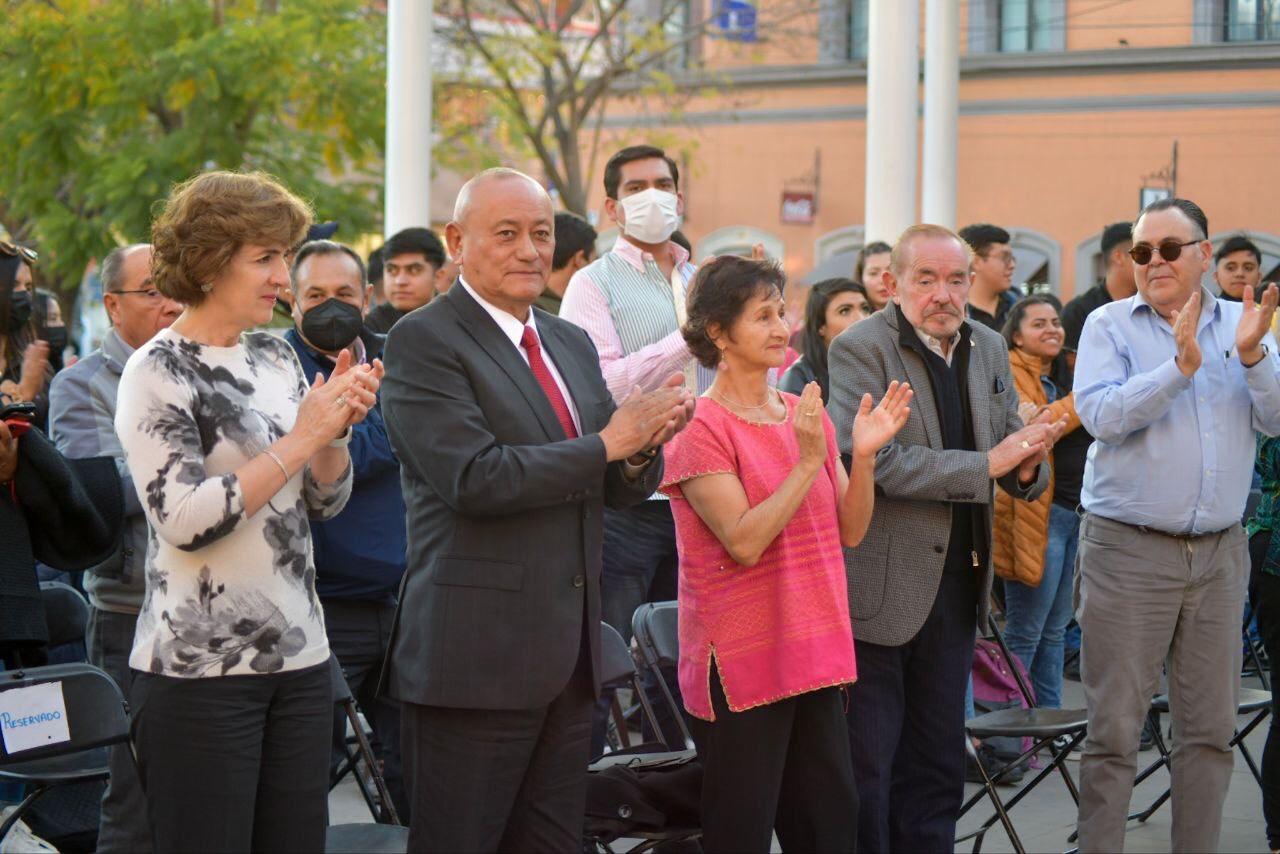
1189 537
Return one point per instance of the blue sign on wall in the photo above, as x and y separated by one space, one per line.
736 19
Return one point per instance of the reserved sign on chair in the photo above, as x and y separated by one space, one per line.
33 717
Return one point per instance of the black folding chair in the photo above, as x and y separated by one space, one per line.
385 835
1252 701
1042 726
656 631
97 717
619 670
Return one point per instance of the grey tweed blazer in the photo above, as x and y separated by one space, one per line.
894 573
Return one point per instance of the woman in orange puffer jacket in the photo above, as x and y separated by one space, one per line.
1033 542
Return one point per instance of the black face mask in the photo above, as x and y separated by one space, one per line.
332 325
57 338
19 309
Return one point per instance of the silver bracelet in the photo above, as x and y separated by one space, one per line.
284 471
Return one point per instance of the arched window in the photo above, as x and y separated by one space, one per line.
738 240
1039 260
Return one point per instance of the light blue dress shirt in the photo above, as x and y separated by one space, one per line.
1171 453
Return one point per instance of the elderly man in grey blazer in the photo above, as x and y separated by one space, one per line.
919 582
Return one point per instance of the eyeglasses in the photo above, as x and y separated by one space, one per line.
1006 258
1169 250
14 249
149 294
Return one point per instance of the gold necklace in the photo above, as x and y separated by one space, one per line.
768 400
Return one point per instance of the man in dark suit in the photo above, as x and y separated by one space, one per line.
511 447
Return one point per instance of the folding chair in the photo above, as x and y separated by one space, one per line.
618 670
656 631
1252 701
385 835
97 717
1042 726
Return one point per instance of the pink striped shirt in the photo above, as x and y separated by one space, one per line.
586 305
779 628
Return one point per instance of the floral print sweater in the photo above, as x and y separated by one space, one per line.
226 594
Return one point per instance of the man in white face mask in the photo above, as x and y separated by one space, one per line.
631 302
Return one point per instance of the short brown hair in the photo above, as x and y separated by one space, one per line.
206 220
898 257
720 291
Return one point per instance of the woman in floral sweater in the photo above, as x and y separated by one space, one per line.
231 453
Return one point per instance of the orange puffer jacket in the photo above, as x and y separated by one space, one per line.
1020 529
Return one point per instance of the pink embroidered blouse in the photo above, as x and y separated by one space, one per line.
781 627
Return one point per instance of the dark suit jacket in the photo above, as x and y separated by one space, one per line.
505 515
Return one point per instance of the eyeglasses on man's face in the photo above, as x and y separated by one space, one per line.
148 294
1170 250
1006 258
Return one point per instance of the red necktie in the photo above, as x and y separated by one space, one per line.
541 373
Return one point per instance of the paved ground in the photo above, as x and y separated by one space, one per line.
1046 818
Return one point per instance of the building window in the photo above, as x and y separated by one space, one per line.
1017 26
1027 25
1251 20
842 30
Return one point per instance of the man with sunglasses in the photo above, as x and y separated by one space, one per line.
82 410
1172 382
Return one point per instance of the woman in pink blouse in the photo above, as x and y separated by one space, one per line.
762 506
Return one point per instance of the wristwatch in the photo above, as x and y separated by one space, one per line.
1266 351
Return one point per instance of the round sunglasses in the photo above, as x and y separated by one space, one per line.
16 249
1169 250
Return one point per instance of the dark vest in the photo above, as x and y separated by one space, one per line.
968 545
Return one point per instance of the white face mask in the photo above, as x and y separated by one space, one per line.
650 216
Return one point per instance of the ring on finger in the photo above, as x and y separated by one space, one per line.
342 400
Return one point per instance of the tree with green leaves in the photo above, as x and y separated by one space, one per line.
105 104
552 67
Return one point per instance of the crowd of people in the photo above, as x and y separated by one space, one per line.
446 464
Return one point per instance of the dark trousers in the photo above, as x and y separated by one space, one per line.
235 763
780 767
499 780
358 635
906 727
1265 590
639 565
123 826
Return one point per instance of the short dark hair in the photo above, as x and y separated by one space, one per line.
981 235
1113 235
812 347
679 239
1013 320
630 154
875 247
324 247
573 235
1189 209
1238 243
415 240
374 271
719 292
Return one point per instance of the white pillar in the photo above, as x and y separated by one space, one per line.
408 176
941 111
893 63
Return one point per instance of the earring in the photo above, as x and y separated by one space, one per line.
206 287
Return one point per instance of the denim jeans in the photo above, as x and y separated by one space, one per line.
1038 616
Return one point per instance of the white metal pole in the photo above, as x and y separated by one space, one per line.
893 63
408 161
941 111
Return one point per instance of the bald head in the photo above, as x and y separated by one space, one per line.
502 236
497 175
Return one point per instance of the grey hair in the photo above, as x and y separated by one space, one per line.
463 201
112 271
